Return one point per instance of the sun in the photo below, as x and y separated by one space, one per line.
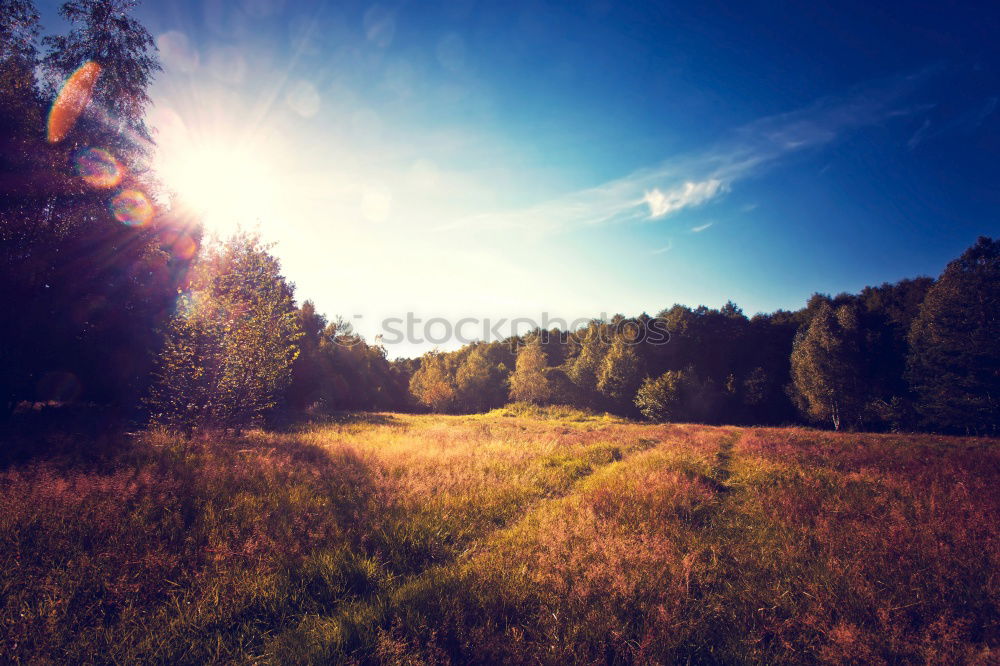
227 184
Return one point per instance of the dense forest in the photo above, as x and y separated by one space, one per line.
119 312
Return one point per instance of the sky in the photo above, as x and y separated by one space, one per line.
568 160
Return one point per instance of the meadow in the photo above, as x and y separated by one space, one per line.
518 536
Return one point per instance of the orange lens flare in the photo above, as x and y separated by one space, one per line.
179 243
98 168
72 100
131 207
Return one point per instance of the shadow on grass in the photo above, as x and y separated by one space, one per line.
65 435
247 534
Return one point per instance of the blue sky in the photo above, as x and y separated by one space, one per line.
492 159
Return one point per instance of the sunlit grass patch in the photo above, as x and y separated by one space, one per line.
554 413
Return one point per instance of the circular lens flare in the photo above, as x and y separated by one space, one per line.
179 243
131 207
72 100
98 168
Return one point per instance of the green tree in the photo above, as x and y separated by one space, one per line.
678 396
583 369
529 383
825 366
185 395
618 377
954 361
92 295
311 367
432 384
661 398
229 354
478 382
104 32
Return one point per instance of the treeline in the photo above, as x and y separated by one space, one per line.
113 303
915 354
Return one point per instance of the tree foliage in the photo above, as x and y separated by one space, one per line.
954 362
825 367
432 384
103 31
229 352
618 377
91 294
529 382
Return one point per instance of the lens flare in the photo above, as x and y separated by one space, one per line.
179 243
72 100
131 207
98 168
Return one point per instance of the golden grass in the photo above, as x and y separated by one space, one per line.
518 536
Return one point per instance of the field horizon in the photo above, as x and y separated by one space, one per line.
524 535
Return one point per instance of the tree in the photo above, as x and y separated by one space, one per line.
619 377
189 368
92 293
678 395
432 384
19 30
825 366
105 33
529 382
954 361
229 354
478 383
660 398
584 368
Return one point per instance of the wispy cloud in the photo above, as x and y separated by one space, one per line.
701 227
666 248
695 178
689 194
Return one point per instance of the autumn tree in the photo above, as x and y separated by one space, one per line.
954 362
432 384
529 382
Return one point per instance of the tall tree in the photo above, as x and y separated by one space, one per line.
583 369
432 384
619 376
529 382
105 32
92 276
954 363
478 382
825 366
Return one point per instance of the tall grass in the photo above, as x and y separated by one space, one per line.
514 536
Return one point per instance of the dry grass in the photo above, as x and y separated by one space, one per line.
549 537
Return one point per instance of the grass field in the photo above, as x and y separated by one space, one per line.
517 536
